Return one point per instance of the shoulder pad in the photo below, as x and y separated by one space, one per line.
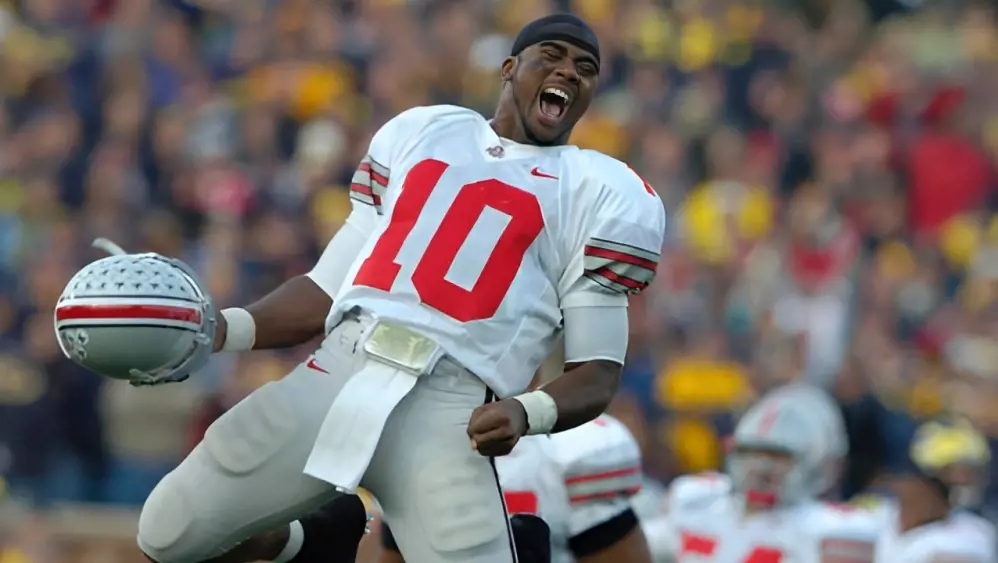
695 489
606 170
417 118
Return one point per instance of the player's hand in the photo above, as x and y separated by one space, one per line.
496 427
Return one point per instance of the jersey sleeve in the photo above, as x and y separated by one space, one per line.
370 183
601 469
619 230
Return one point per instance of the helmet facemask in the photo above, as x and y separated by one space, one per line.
783 452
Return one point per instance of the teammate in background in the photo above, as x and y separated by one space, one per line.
471 247
786 452
925 524
580 482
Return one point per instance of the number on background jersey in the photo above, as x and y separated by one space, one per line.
380 269
702 546
520 502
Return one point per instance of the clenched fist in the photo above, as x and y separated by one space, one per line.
496 427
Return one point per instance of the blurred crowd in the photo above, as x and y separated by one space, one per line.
828 167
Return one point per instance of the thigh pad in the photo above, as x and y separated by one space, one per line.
459 503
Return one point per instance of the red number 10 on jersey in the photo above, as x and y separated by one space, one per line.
381 269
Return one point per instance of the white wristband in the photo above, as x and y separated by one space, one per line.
241 332
296 538
542 412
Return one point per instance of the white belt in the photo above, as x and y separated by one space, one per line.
396 357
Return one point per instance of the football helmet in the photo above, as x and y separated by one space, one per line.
954 454
143 318
779 450
820 405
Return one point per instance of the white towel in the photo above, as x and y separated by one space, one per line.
352 428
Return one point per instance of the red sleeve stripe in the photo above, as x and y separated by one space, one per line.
603 485
605 495
617 256
365 194
602 475
634 255
369 182
619 267
608 277
376 177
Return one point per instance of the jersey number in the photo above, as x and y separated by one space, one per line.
705 547
526 221
520 502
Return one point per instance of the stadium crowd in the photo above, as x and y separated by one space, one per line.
828 168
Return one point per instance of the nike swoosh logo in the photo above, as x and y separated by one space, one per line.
313 365
536 171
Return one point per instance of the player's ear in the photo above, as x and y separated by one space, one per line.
507 68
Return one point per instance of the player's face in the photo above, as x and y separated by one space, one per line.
553 84
763 475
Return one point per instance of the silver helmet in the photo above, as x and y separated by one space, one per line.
822 407
143 318
779 450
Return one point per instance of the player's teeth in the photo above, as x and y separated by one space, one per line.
557 92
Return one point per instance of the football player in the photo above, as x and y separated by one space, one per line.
785 453
472 245
926 523
580 482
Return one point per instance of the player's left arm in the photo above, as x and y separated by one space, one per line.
614 254
601 465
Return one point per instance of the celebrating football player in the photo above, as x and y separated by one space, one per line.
471 246
786 452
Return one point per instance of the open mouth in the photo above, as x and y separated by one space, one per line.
554 104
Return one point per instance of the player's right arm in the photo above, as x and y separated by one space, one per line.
612 252
296 311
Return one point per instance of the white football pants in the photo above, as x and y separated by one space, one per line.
441 498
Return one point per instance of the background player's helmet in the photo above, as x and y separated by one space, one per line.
778 451
823 408
137 317
955 456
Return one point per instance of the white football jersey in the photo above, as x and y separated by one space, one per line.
484 241
962 538
575 480
708 524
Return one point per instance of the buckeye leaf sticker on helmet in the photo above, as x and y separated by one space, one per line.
142 318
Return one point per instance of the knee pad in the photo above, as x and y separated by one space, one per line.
252 432
459 503
168 517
